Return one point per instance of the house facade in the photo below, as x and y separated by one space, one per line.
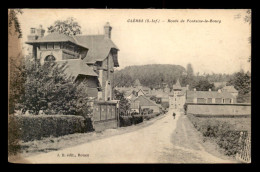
177 96
89 57
210 97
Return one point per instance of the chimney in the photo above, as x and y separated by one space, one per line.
32 36
209 89
194 89
40 32
107 29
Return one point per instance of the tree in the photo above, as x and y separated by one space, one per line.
13 21
242 83
188 79
15 60
69 27
124 104
203 85
189 70
49 89
17 79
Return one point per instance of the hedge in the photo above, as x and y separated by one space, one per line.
125 121
38 126
136 119
223 133
150 116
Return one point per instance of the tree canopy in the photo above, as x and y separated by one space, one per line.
124 104
69 27
242 83
48 89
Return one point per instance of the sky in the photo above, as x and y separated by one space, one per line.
221 46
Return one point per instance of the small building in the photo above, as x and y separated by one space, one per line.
230 89
210 97
143 102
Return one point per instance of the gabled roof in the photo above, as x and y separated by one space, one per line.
145 101
230 89
99 47
141 91
75 67
208 94
56 37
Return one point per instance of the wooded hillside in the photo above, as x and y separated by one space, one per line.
149 75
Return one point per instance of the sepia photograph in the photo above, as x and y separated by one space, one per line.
129 86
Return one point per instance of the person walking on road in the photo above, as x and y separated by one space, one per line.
174 114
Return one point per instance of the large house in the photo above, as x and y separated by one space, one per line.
88 57
210 97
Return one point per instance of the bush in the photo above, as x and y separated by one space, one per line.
13 136
157 114
149 116
229 141
38 126
125 121
137 119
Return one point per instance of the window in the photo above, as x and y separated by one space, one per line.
227 100
56 45
43 47
201 100
218 100
49 46
32 30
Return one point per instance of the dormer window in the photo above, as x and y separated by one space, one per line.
32 30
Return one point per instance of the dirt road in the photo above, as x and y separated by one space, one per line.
168 140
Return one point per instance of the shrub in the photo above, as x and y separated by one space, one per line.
149 116
157 114
38 126
137 119
125 121
150 111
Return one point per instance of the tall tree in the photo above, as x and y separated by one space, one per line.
124 104
49 89
16 77
242 82
13 21
189 70
69 27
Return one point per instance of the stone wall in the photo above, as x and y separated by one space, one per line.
218 109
